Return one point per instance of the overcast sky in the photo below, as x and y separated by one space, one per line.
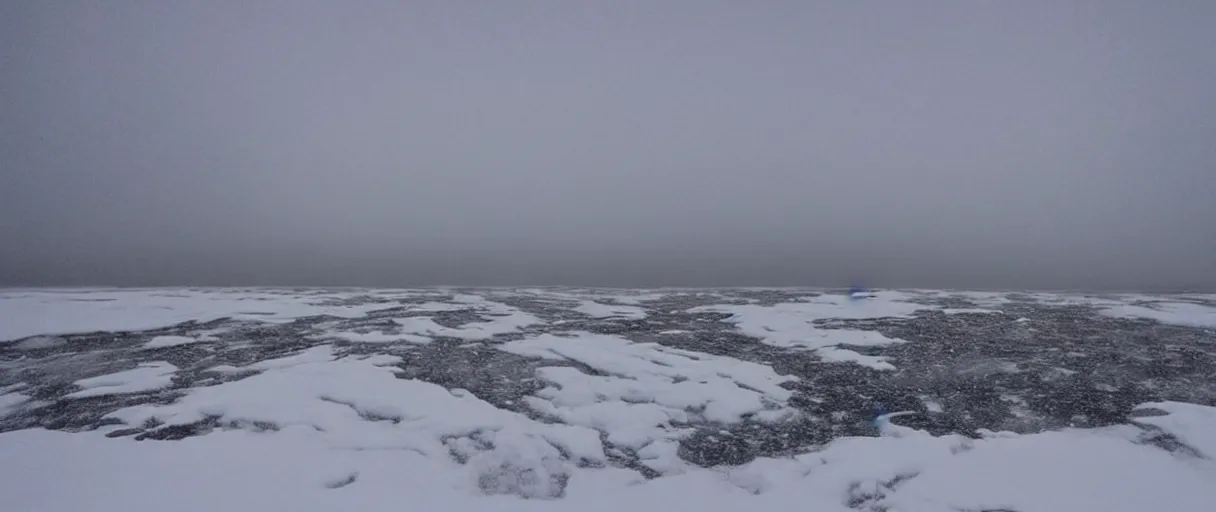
1051 144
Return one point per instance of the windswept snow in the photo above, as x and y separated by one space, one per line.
145 377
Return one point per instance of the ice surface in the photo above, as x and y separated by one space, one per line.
1177 313
169 341
145 377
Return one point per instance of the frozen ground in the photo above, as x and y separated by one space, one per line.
531 399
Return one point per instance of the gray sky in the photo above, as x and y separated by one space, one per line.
955 144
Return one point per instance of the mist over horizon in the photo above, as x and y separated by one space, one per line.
1029 145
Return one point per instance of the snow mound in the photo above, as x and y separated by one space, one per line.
145 377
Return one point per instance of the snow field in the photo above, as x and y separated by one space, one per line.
324 430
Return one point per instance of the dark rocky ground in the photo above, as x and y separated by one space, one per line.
1031 367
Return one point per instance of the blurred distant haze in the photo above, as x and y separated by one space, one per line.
1036 144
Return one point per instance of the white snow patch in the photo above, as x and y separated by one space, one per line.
318 354
1175 313
227 369
425 326
840 355
145 377
978 311
379 337
1193 424
169 341
38 342
30 313
791 324
436 307
599 310
932 405
642 298
501 319
12 402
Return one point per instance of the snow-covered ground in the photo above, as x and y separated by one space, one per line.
500 399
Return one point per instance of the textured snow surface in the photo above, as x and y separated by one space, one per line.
596 400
